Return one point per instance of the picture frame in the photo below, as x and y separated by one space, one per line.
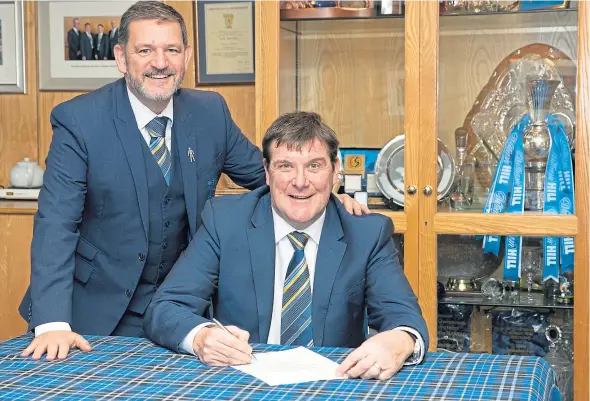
64 71
12 47
225 42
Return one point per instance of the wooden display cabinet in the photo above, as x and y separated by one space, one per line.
419 74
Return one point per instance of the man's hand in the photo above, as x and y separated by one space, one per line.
56 343
352 206
380 357
216 347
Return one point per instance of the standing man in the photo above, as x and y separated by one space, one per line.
74 40
129 170
113 39
87 43
102 44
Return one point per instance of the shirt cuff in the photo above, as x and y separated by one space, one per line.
418 354
52 326
187 344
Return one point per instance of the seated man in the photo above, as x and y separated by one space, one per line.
286 264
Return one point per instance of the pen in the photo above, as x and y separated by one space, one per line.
221 326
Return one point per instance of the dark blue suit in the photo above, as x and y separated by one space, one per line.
90 242
231 261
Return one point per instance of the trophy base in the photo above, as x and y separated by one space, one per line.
565 300
534 201
456 284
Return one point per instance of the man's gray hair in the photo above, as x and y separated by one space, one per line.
150 10
297 129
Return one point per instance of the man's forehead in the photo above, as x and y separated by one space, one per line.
313 148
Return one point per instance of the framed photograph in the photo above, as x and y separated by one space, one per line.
225 47
76 40
12 47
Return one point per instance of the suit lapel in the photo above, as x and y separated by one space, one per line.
183 131
329 258
131 138
262 257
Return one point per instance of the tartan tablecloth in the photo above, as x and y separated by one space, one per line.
122 368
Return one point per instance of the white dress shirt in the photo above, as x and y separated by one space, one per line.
284 253
143 115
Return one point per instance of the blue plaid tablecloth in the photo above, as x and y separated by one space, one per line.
122 368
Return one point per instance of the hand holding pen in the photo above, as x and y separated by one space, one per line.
223 346
221 326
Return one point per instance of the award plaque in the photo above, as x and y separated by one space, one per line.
225 42
389 170
505 99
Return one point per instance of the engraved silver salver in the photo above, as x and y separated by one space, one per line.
389 170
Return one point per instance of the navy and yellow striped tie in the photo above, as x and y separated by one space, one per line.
296 313
157 130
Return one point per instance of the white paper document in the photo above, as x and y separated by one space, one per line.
297 365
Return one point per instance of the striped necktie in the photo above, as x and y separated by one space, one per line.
296 312
157 130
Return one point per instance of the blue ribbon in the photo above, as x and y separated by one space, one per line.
513 247
508 183
496 202
565 189
551 206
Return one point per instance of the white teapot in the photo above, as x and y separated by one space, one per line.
26 174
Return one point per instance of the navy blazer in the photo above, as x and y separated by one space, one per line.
231 263
90 231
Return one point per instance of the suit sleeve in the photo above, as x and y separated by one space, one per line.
185 295
243 162
55 232
73 41
391 301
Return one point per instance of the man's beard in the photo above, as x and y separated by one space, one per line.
139 87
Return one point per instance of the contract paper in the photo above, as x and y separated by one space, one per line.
297 365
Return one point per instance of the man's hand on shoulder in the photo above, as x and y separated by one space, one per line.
352 206
56 343
380 357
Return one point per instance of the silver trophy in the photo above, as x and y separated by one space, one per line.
537 139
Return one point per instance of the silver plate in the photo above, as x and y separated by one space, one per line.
389 170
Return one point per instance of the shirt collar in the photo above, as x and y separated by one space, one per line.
143 115
282 228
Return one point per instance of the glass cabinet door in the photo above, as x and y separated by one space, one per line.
349 64
504 217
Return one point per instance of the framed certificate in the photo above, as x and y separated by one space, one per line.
225 42
12 47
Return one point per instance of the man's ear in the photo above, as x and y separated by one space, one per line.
336 177
266 166
120 58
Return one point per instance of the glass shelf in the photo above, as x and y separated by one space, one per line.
539 301
313 15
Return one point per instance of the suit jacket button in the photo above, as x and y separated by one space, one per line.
128 293
141 257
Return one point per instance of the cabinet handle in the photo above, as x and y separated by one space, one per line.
412 189
427 190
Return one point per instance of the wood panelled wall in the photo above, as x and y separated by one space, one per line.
25 130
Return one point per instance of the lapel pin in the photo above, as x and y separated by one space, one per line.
191 155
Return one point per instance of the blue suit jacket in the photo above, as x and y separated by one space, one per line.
231 261
90 231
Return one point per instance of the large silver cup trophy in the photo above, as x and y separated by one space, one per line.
537 139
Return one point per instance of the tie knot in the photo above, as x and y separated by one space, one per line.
298 240
157 127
